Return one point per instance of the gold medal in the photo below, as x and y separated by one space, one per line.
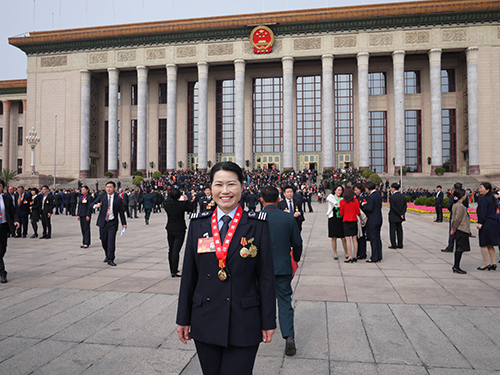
222 274
253 251
244 252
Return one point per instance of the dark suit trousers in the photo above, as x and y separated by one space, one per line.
285 310
4 230
24 219
231 360
175 241
133 211
107 235
451 238
439 213
362 246
147 213
396 230
373 233
85 228
47 226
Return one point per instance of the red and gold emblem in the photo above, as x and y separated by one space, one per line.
262 39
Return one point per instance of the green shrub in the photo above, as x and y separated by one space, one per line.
366 173
156 174
420 201
137 180
165 173
288 171
108 174
404 171
375 178
138 173
429 202
440 170
446 201
408 198
328 171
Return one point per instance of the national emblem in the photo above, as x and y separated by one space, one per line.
262 39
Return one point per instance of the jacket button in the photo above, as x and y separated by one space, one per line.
208 299
227 300
209 277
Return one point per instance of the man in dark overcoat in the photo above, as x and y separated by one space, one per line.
9 221
397 213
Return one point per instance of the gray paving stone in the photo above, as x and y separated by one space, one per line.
384 369
310 328
346 336
193 367
387 340
475 346
10 346
484 319
301 366
353 368
444 371
120 360
166 362
432 346
265 365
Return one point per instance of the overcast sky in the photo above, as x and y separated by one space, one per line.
22 16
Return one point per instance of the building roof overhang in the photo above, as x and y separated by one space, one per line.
351 18
16 86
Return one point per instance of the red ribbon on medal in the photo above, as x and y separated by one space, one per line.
221 248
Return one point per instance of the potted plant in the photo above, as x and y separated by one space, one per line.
440 171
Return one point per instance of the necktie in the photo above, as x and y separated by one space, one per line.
109 208
223 230
291 207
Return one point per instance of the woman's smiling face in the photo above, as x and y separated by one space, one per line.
226 190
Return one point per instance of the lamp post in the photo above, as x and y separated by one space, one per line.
32 139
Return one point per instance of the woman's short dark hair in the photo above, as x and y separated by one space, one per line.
360 186
370 185
174 194
348 194
336 187
459 193
227 166
85 187
2 182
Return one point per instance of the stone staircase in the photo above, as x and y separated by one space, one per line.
430 182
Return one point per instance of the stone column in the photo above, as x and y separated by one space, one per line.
202 115
436 116
398 58
85 124
287 112
113 75
6 134
472 94
25 106
327 115
363 120
142 106
171 116
239 112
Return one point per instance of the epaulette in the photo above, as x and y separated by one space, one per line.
200 215
258 215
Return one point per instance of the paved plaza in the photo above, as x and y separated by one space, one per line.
64 311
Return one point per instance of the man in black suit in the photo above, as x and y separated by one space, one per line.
73 202
285 234
251 200
23 199
9 221
396 216
373 210
84 214
107 221
47 208
67 202
438 200
205 200
292 204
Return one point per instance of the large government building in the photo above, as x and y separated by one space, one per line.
412 84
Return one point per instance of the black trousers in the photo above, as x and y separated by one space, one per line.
396 231
175 241
4 230
24 219
107 234
85 228
362 246
219 360
439 213
133 211
47 225
373 233
451 237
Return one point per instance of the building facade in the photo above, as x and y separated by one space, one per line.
413 85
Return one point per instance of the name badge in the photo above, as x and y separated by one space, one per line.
206 245
1 216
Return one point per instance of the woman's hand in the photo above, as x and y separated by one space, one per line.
266 335
183 332
479 226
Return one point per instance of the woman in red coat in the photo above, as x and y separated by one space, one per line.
349 210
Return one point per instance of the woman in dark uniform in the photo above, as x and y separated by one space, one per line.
487 226
84 214
227 299
36 208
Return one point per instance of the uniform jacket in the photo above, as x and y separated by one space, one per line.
285 235
48 206
373 209
36 208
148 201
235 311
398 207
118 209
23 208
85 209
176 220
10 212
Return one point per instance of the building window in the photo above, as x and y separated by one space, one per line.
344 113
119 96
1 136
413 136
19 166
133 146
309 113
1 165
225 116
106 145
162 144
192 124
20 108
449 140
448 80
268 114
162 93
133 95
19 136
412 82
106 96
377 84
378 142
119 143
1 107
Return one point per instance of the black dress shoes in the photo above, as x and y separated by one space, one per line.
111 263
459 270
363 257
392 247
290 348
105 260
34 236
492 267
447 250
485 268
399 247
3 278
178 274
